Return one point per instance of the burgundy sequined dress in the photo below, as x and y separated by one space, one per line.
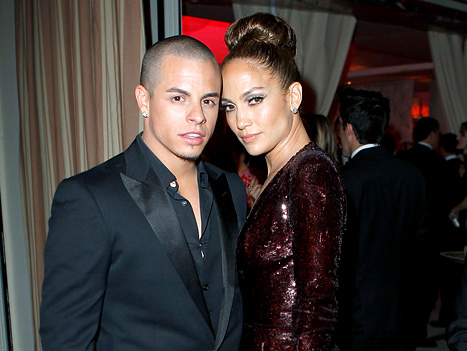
288 255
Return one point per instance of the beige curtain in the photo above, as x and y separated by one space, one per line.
323 41
449 53
78 64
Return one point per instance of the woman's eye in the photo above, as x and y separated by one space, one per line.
255 100
228 107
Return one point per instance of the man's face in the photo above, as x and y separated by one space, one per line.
346 149
183 108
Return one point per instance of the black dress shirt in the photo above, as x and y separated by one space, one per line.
205 249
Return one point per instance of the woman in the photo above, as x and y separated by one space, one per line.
289 247
321 132
462 138
458 214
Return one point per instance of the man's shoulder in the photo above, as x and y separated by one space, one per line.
100 173
377 162
423 157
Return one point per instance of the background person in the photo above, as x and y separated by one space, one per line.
321 132
422 154
385 201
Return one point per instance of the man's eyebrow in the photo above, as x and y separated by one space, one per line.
184 92
178 90
213 94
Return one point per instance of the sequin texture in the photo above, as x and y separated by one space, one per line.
288 256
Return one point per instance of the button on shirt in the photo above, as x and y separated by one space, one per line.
198 246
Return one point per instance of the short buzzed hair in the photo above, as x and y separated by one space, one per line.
179 45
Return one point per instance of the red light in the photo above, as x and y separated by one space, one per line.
209 32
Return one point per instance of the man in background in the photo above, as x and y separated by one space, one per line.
385 198
440 185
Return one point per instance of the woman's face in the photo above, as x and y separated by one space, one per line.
461 141
257 109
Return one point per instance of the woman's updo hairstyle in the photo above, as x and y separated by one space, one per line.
267 40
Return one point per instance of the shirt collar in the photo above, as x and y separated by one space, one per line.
164 173
363 147
451 157
425 144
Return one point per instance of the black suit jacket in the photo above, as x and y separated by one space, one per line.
438 181
119 274
385 206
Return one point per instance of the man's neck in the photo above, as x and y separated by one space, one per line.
182 169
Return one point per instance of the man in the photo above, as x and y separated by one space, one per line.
450 272
140 253
440 194
448 150
385 206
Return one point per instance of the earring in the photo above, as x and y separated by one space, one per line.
145 114
295 110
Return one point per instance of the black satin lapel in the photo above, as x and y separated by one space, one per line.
228 233
154 203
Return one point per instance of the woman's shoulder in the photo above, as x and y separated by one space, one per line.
311 157
312 167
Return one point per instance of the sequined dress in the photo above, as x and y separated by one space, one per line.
288 257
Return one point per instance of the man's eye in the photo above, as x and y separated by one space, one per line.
209 102
178 98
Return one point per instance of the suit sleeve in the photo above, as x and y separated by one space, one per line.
77 259
317 213
457 332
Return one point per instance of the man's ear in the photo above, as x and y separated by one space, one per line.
142 99
295 91
349 131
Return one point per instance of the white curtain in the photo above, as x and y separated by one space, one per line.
438 111
323 41
449 53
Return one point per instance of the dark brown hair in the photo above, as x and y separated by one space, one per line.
266 40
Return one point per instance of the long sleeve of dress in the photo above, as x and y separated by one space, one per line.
316 218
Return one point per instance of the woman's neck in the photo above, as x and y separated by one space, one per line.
285 150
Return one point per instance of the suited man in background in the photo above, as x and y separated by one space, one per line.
385 199
140 253
441 194
448 150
